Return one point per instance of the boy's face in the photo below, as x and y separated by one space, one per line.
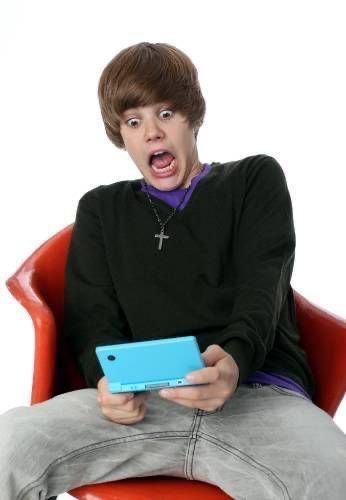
154 128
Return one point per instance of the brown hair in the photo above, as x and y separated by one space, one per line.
145 74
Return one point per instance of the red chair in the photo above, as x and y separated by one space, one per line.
38 285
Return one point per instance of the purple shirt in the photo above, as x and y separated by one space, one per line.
173 198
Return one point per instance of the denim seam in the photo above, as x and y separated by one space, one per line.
102 444
271 475
280 390
191 445
205 413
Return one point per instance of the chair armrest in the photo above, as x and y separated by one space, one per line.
23 287
323 337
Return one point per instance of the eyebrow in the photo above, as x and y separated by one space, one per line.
131 110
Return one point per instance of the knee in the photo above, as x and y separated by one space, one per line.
322 470
10 428
18 433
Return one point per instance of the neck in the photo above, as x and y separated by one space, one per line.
185 184
196 171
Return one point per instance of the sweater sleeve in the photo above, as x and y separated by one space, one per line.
264 257
92 314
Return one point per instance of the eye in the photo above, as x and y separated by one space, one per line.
167 111
131 120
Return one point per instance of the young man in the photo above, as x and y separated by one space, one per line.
190 248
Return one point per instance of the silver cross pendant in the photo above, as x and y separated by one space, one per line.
162 236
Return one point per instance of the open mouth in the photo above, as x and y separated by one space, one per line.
161 160
163 163
164 170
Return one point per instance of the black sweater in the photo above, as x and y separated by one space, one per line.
223 275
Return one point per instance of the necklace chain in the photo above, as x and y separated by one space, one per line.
162 234
163 224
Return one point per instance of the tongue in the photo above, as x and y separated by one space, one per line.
162 160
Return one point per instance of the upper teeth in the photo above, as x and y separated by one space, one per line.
158 152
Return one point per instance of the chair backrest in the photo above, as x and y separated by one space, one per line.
39 286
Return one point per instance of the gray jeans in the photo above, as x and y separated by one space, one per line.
266 443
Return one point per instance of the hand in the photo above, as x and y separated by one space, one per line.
124 408
221 372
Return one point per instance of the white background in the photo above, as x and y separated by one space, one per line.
272 74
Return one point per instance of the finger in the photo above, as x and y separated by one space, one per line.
129 404
122 413
125 417
132 419
209 374
213 354
103 389
193 393
130 408
119 399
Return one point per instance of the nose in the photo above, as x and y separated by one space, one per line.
153 130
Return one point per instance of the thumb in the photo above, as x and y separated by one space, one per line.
102 387
213 354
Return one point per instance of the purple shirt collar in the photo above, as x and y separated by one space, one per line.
174 197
